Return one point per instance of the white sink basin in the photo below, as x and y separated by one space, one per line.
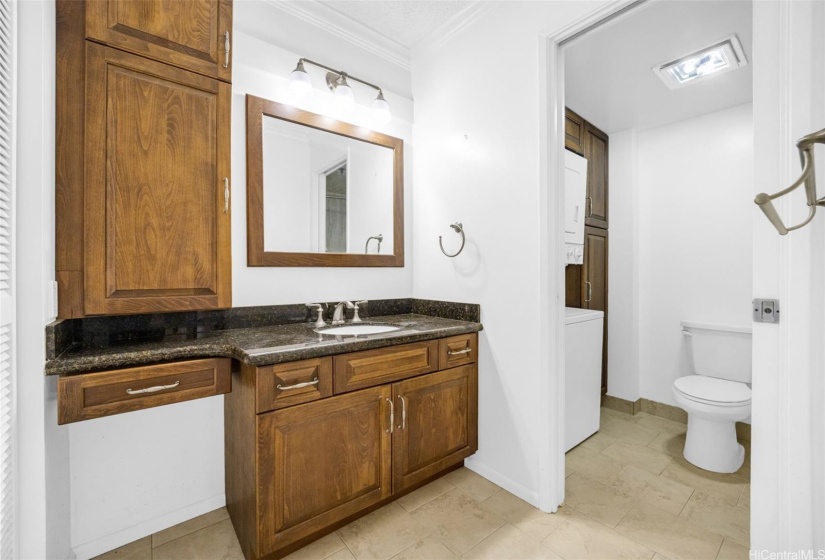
350 330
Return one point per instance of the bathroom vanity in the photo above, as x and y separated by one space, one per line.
319 428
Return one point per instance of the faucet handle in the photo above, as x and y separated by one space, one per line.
355 317
320 321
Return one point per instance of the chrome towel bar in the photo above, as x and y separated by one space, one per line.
808 178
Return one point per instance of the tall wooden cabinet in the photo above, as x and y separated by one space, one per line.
586 285
143 156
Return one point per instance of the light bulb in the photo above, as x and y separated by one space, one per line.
381 109
299 81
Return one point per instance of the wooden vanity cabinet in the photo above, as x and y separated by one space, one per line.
296 473
194 35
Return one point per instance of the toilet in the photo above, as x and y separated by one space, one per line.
717 395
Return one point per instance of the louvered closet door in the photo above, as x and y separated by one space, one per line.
7 360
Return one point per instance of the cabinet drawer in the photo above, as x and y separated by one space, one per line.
293 383
92 395
457 350
374 367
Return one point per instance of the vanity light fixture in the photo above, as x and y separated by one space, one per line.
718 58
300 83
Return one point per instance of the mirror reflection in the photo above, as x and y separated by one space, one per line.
325 193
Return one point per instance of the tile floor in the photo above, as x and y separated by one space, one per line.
630 494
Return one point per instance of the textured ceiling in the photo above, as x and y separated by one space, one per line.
404 21
608 77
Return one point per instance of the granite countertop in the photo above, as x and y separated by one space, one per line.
259 346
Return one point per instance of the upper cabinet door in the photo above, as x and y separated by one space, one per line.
573 132
595 151
157 227
190 34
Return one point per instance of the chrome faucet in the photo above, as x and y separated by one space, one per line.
338 316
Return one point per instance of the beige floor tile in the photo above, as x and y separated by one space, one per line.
718 516
427 548
659 425
426 493
672 444
457 520
597 442
628 431
597 500
745 497
217 542
343 554
733 551
475 486
724 486
320 549
525 517
669 535
639 456
382 533
137 550
664 493
508 543
658 556
581 538
607 414
196 524
591 464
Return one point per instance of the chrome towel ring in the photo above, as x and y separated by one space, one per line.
458 229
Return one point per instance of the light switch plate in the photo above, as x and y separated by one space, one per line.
765 310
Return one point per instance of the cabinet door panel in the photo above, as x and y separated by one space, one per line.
435 424
157 153
596 153
321 462
595 272
573 132
189 34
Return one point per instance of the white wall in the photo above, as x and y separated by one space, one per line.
680 243
126 470
477 161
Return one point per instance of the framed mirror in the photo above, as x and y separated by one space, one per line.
321 192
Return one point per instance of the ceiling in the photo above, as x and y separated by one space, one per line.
608 77
406 22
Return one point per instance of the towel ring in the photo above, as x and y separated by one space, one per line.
458 229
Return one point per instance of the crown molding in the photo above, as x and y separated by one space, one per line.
348 29
450 28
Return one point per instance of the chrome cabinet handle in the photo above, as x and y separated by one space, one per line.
589 207
392 416
225 195
459 352
589 295
154 389
297 385
403 425
226 49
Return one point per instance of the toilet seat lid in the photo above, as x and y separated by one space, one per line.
713 390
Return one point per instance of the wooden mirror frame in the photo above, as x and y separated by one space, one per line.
256 109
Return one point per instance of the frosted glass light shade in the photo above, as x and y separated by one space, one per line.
344 97
299 81
381 109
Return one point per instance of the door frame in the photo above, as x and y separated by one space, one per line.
787 493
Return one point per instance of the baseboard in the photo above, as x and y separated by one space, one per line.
518 490
664 410
621 405
135 532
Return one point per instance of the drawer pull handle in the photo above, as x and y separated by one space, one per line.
392 416
403 425
297 385
225 195
226 49
459 352
154 389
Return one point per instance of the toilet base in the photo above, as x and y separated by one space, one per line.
711 445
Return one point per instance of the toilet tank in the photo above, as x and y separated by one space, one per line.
717 350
